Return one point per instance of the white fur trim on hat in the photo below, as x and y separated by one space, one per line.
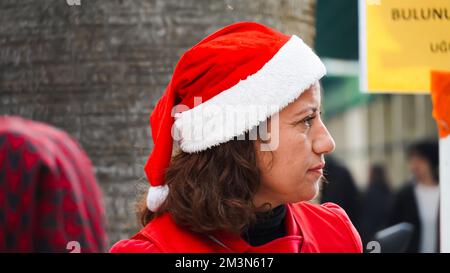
156 196
292 70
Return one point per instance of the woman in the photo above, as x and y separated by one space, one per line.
243 107
417 201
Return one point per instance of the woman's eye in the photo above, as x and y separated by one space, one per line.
308 120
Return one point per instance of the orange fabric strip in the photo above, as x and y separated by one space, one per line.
440 94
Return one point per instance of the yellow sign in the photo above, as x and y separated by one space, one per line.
401 41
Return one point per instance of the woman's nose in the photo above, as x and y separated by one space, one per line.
324 142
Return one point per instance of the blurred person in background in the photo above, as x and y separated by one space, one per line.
340 188
49 198
418 201
375 204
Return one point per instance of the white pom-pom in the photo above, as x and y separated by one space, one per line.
156 196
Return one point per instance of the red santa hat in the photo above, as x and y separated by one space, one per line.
225 85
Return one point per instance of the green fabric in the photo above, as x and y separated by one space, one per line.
337 29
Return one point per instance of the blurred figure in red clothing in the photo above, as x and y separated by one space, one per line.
49 198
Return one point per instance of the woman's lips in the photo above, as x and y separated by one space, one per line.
317 169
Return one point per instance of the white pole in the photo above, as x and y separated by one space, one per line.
444 183
440 95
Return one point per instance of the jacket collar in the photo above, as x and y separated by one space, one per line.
292 242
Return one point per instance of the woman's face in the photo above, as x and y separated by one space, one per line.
291 172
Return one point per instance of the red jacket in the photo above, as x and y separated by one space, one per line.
309 228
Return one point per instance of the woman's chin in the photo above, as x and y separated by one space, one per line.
314 189
307 193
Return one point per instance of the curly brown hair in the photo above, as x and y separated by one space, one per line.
211 190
